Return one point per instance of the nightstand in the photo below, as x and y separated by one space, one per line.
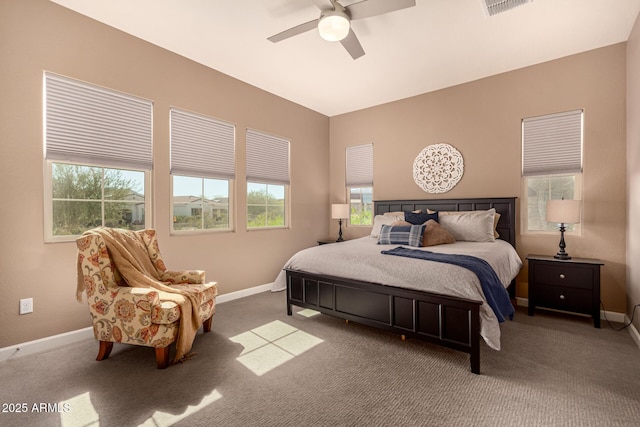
327 241
568 285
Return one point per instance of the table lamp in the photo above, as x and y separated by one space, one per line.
563 212
340 212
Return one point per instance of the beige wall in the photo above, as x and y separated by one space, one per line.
482 120
633 171
38 35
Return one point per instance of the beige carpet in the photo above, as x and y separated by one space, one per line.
259 367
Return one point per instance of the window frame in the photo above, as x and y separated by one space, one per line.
266 164
88 125
359 174
552 147
214 140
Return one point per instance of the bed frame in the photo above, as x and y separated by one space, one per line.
445 320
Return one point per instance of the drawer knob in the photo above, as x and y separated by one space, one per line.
561 296
562 276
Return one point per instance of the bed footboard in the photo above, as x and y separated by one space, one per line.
448 321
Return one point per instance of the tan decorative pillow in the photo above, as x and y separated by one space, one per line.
401 222
434 234
470 226
496 218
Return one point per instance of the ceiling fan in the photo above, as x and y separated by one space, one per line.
334 23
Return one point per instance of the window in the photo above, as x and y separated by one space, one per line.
547 187
267 180
265 205
202 172
361 205
98 158
359 181
200 203
87 196
551 166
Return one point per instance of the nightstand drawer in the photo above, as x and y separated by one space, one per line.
567 299
570 275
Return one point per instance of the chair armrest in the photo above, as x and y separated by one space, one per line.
128 317
186 276
140 298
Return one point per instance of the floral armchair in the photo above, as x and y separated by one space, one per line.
133 314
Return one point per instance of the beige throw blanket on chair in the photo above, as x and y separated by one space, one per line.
131 257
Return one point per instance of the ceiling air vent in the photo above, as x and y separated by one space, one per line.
494 7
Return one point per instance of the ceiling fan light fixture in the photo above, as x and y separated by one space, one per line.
334 25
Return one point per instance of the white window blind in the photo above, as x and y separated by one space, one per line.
552 144
359 166
201 146
93 125
267 158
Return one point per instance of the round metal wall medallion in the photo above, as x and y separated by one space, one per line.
438 168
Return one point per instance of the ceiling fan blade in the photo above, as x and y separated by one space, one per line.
323 4
294 31
352 45
368 8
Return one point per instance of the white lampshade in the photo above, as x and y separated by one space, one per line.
563 211
339 211
334 26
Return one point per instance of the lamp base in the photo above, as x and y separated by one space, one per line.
561 253
340 239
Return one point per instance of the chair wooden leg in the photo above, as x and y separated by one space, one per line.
162 357
206 325
105 350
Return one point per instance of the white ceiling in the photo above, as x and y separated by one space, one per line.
436 44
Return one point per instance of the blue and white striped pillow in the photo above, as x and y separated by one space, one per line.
401 235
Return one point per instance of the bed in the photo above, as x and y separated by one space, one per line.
445 305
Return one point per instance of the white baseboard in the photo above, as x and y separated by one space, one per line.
36 346
611 316
48 343
243 293
633 331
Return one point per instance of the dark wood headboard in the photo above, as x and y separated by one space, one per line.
505 206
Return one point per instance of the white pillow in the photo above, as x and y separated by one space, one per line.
380 220
470 226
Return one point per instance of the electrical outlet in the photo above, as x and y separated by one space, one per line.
26 305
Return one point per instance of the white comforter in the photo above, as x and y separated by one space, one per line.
361 259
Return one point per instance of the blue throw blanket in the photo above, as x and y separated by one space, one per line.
496 295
